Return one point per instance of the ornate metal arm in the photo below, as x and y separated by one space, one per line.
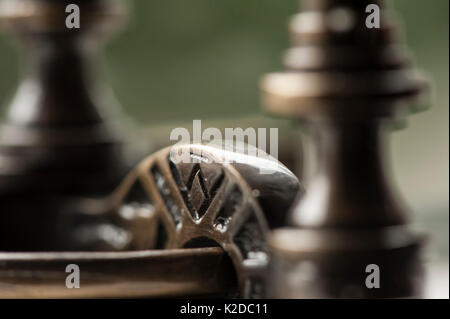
216 199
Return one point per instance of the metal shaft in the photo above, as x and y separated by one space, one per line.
156 273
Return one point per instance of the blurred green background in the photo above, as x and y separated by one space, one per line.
181 60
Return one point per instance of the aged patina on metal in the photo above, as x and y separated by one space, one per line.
217 198
130 274
346 84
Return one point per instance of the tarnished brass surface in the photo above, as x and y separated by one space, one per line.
155 273
200 203
216 198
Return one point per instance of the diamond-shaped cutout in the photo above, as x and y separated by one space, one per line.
185 171
198 184
197 194
212 173
166 195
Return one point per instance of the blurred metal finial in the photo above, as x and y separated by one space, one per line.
56 139
346 83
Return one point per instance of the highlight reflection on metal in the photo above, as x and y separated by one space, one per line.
155 273
163 205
